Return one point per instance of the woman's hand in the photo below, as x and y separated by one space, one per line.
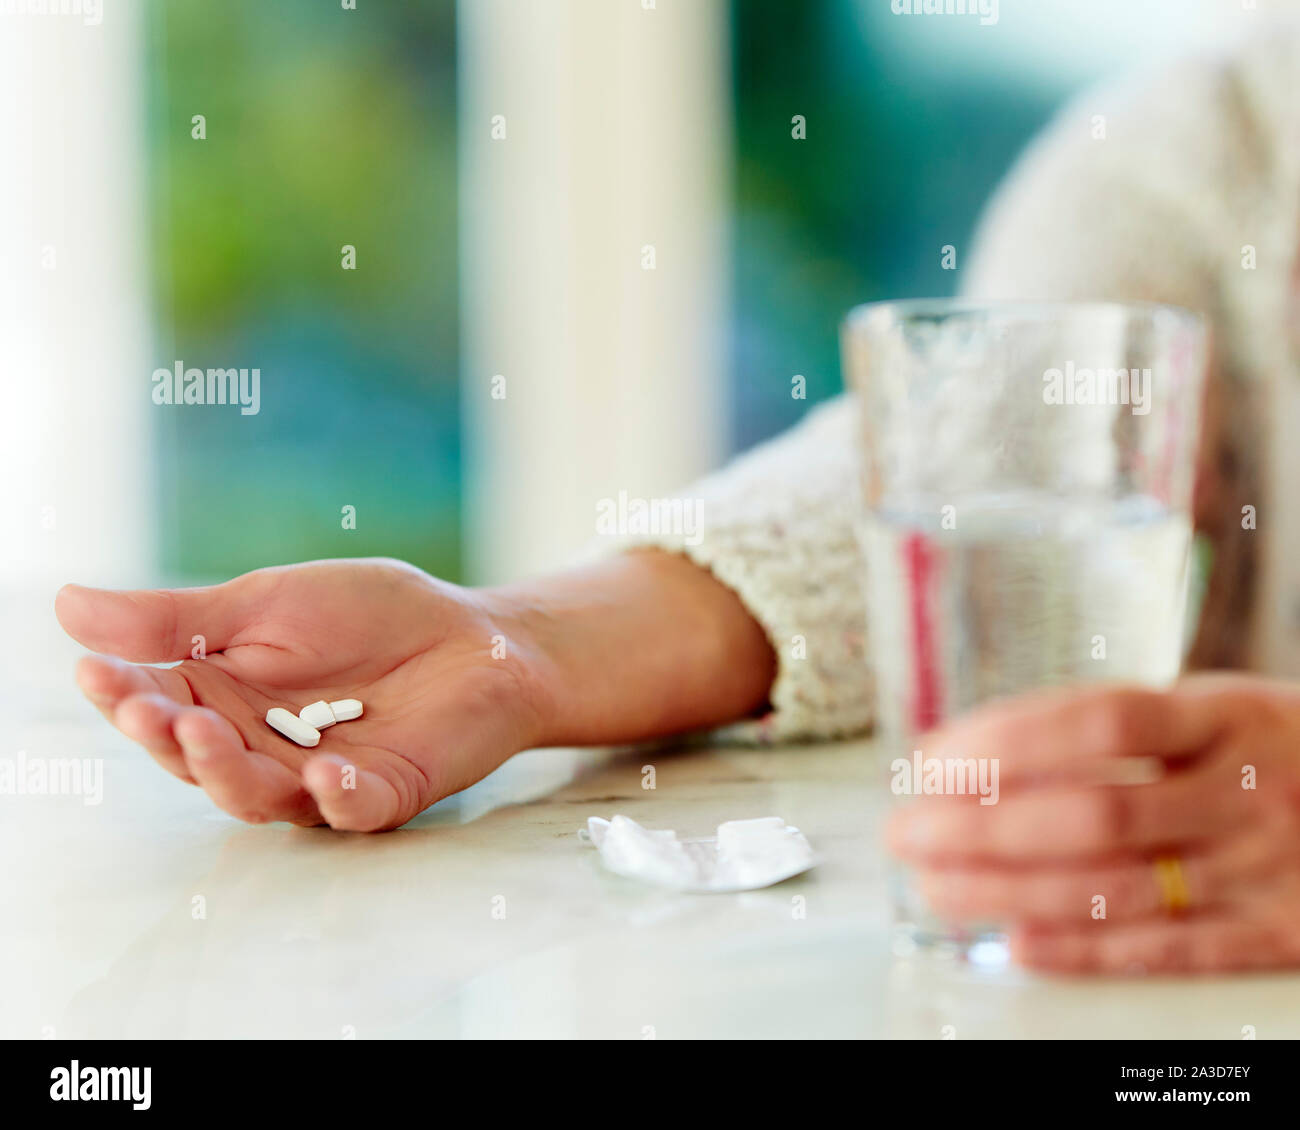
454 680
1196 858
450 688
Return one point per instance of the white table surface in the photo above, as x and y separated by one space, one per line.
309 933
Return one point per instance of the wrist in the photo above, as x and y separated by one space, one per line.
642 644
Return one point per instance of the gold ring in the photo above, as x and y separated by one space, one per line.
1173 884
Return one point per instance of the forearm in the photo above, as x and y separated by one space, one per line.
640 645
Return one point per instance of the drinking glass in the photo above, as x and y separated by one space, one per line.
1027 474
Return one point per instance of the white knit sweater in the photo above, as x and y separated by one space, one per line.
1195 164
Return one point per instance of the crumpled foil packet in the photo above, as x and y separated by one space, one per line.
743 856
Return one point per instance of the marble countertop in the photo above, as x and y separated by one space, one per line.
153 914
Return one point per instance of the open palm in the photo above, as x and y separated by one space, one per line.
446 684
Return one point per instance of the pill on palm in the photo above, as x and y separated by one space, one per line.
292 727
346 709
318 714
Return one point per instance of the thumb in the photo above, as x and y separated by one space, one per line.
154 625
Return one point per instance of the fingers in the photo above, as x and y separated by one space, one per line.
148 719
200 746
1068 733
106 681
1245 865
1124 891
160 625
1196 804
1204 943
250 786
352 799
141 702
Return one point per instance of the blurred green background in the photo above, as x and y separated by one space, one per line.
324 129
911 123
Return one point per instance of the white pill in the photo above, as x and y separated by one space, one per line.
292 727
346 709
318 714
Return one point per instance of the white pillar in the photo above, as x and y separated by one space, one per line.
74 365
616 119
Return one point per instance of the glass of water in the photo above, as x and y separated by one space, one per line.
1027 473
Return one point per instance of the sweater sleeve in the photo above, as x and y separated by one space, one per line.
777 527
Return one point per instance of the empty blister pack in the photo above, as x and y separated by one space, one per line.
743 856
